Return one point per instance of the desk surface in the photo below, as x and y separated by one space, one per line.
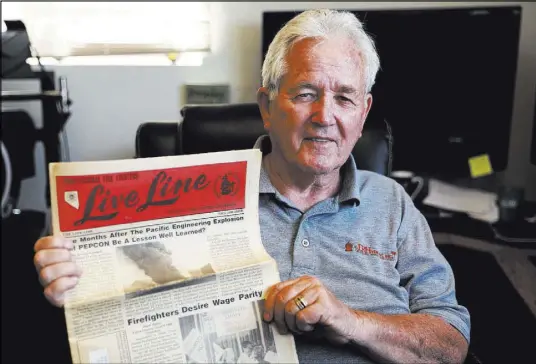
516 263
519 235
496 283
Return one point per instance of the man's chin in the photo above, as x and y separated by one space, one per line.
317 168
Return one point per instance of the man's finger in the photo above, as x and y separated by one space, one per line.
285 308
53 242
283 297
290 310
306 318
52 272
270 296
55 292
47 257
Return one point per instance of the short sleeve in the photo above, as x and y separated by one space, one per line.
426 274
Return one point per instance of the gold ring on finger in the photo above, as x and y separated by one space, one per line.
300 302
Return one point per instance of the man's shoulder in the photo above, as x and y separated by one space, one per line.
371 184
383 195
386 200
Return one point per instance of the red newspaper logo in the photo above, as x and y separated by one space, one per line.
93 201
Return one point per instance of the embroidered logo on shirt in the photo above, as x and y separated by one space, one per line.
367 250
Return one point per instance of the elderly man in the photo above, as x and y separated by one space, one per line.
362 279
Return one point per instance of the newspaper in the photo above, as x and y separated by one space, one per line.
174 269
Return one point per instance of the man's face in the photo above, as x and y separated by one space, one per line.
319 112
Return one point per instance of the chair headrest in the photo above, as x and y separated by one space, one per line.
220 127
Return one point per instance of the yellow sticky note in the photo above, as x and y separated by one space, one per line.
480 166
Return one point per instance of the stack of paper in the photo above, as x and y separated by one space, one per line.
478 204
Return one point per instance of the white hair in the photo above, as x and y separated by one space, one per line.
323 24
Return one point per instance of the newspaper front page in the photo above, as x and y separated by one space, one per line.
173 265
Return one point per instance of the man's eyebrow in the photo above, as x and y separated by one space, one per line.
302 85
345 89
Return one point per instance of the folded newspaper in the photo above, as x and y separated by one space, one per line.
173 265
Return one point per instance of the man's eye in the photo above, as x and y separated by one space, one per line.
344 99
305 96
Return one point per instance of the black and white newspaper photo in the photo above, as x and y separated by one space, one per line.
232 335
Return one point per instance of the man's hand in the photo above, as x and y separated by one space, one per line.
393 338
323 312
57 271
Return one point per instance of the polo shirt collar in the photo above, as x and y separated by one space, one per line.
350 182
265 186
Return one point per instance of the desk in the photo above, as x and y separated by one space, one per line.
494 280
465 226
515 262
496 283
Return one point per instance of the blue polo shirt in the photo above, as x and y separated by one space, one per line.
370 247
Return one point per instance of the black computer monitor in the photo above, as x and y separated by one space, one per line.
446 83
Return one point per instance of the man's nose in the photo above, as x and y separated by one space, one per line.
323 112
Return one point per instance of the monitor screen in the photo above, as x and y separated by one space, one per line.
446 84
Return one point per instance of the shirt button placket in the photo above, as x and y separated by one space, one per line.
304 253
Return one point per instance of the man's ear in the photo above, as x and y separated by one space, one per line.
368 105
263 100
366 109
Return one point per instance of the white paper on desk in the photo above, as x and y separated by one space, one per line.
491 217
478 204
